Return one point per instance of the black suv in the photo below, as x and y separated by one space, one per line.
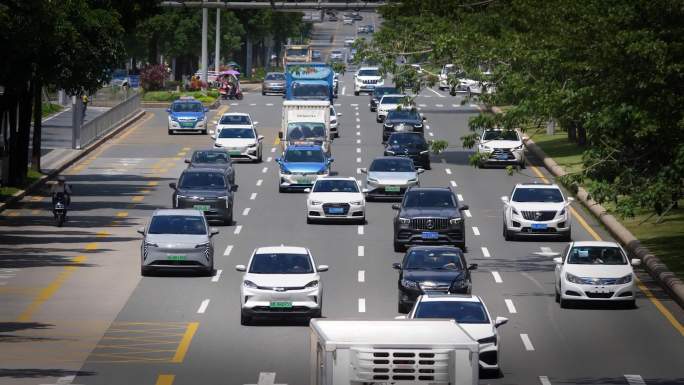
407 120
429 215
207 190
377 94
432 269
411 145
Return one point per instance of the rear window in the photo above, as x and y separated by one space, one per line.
177 224
210 157
403 139
392 99
275 76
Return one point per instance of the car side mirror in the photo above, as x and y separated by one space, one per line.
473 266
504 199
173 185
420 170
168 110
255 123
322 268
213 136
260 138
500 321
396 266
401 317
213 231
558 260
240 268
307 190
365 190
280 135
206 109
570 199
141 230
330 160
363 170
396 206
424 119
234 188
636 262
187 161
464 207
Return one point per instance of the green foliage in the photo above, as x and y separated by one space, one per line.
437 146
168 96
50 108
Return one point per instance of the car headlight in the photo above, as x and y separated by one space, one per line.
455 221
173 118
574 279
389 152
561 213
626 279
487 340
404 221
249 284
201 245
253 145
515 211
485 148
389 125
412 181
223 197
419 125
356 203
312 285
409 284
322 171
372 180
315 203
424 152
285 171
519 147
151 244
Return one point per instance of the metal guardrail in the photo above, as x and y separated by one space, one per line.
104 123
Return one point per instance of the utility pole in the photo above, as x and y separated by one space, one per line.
217 49
205 55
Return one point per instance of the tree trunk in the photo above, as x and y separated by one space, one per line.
24 129
572 131
581 135
37 126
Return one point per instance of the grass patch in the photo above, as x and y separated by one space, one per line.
169 96
7 191
566 153
50 108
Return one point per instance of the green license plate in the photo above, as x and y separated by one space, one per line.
201 207
234 152
176 257
187 124
281 304
392 189
303 180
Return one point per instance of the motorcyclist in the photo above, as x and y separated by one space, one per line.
61 187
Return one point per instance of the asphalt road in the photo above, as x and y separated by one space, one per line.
75 309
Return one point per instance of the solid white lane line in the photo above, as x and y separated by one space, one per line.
358 141
203 307
362 276
544 380
358 170
269 159
435 92
216 277
229 248
264 170
361 251
238 228
546 250
269 104
476 231
273 149
453 183
354 105
362 305
510 306
460 197
467 213
497 277
431 134
526 341
358 160
634 379
439 105
448 171
485 252
259 182
252 104
360 230
253 196
245 212
358 150
344 89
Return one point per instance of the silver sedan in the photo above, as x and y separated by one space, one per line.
390 177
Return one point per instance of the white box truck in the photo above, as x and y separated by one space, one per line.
349 352
305 122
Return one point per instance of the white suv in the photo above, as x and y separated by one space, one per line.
501 147
280 280
366 79
536 209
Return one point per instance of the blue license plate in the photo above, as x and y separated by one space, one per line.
336 210
539 226
429 235
502 157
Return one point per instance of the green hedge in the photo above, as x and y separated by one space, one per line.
169 96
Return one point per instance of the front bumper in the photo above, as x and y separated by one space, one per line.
555 227
503 156
187 125
298 181
326 211
381 190
177 258
574 291
257 301
489 356
273 89
334 127
366 87
242 153
454 235
215 209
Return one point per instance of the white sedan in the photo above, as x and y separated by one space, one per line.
280 281
237 134
387 103
336 198
471 314
594 271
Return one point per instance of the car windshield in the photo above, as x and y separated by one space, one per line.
325 185
275 76
210 157
309 156
281 263
403 114
235 120
236 133
461 311
369 73
500 135
596 255
429 198
336 52
202 180
297 51
187 107
303 90
304 131
392 165
406 139
177 224
391 99
532 194
433 260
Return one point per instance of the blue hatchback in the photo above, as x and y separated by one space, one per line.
301 166
187 114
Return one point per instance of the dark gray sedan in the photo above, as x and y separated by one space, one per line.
274 83
214 158
207 190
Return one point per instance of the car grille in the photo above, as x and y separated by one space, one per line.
599 295
328 206
433 288
400 365
429 223
502 154
280 288
539 215
293 309
175 263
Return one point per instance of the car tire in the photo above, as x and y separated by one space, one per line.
145 271
362 220
263 93
557 294
428 166
403 308
229 219
506 233
398 247
261 157
372 109
317 314
245 320
567 237
564 303
171 132
204 132
356 93
209 271
281 189
378 120
309 220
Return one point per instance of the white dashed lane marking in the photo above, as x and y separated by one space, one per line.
245 212
273 149
259 182
526 342
485 252
229 248
358 150
467 213
253 196
362 305
448 171
269 159
238 228
544 380
358 170
497 277
217 276
362 276
453 183
476 231
361 251
431 134
203 307
460 197
358 160
360 229
510 306
634 379
264 170
358 141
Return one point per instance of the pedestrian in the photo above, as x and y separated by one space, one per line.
84 99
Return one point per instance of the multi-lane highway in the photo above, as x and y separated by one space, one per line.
75 309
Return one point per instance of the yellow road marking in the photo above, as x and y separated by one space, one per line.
186 149
47 292
152 183
177 158
185 342
647 292
145 191
103 233
182 153
165 379
134 127
13 214
91 246
36 199
122 214
138 198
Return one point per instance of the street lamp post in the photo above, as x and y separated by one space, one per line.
205 55
217 48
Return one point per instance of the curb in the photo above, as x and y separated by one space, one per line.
654 266
19 195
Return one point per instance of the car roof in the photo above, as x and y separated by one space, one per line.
303 147
431 189
370 68
202 170
280 249
186 212
337 178
236 113
443 297
395 95
538 185
595 243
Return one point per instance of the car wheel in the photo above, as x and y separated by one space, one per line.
356 93
209 271
309 220
145 271
398 247
260 158
403 308
204 132
171 132
263 93
564 303
245 320
362 220
506 233
281 189
378 120
372 109
522 165
229 219
317 314
557 295
566 237
428 166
